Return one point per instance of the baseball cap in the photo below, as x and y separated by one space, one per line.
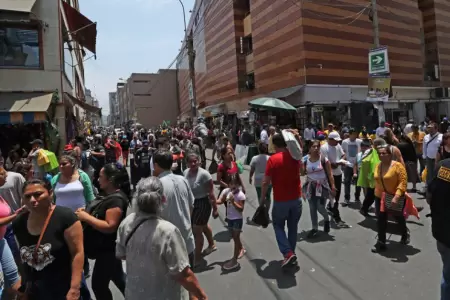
334 136
37 141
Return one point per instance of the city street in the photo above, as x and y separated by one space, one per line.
335 267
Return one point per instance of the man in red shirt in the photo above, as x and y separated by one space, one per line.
283 172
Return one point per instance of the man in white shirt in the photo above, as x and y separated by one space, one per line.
308 136
351 147
380 132
264 136
431 143
334 152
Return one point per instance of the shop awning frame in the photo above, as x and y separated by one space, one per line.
283 93
84 105
20 6
24 107
83 30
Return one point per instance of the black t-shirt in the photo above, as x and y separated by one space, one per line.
439 188
54 259
125 144
143 157
96 242
110 154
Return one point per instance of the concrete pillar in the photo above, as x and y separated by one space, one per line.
419 111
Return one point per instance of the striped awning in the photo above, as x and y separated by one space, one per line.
24 107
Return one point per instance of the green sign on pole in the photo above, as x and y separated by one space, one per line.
378 61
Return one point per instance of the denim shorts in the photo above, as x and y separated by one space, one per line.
235 225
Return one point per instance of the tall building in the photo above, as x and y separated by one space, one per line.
149 98
41 71
316 54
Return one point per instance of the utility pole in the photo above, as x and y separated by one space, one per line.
376 41
191 55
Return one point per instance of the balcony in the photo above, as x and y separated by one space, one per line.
248 25
249 65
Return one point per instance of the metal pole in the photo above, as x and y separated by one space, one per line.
191 55
184 15
376 41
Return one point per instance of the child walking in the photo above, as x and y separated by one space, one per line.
235 200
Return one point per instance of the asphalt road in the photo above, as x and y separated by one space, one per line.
339 266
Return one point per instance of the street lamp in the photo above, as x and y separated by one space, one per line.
184 16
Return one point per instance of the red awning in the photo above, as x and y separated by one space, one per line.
83 30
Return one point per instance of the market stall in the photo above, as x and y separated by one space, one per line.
277 110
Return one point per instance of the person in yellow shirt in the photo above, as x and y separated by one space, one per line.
373 136
390 183
330 129
417 136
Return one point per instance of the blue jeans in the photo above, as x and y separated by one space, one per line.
444 251
8 265
317 204
11 240
286 212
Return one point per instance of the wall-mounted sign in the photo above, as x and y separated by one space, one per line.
378 61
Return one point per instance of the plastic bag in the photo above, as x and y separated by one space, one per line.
261 216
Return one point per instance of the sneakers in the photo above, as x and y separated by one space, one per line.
326 227
232 264
379 247
312 234
406 238
346 202
290 259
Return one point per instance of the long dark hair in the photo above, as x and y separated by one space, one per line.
118 176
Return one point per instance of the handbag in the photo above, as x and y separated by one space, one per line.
213 167
388 198
29 288
240 167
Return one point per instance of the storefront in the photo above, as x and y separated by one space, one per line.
24 117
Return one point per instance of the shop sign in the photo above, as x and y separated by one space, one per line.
317 109
379 89
378 61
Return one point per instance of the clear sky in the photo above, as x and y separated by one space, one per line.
134 36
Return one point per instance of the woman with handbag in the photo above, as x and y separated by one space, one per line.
390 188
50 240
102 219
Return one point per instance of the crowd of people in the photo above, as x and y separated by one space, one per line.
157 217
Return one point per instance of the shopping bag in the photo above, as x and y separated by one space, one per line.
213 167
240 167
261 216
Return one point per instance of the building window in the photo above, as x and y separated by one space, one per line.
20 47
142 94
141 81
246 45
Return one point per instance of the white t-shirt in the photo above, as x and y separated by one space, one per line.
380 131
309 134
351 149
334 154
259 163
408 128
315 170
264 137
239 197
